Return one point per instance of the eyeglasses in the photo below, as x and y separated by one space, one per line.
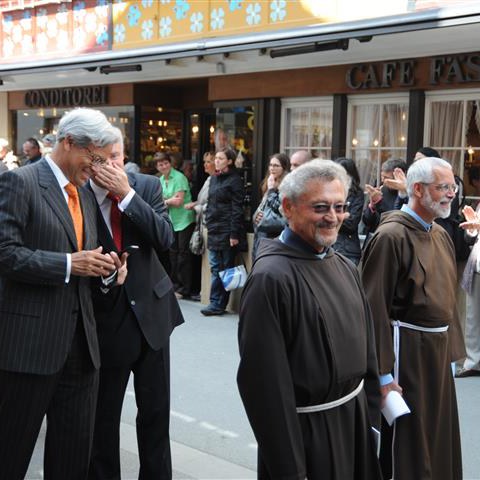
96 159
324 208
444 187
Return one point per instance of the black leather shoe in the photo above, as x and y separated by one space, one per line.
210 311
467 373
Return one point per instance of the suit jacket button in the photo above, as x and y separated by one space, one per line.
132 302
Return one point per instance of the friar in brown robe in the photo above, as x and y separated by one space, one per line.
409 275
306 339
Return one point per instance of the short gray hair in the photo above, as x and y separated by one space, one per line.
422 171
85 126
294 184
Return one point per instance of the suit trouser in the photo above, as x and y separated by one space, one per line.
67 398
181 260
472 327
152 394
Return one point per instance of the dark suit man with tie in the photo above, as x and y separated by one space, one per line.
134 321
49 253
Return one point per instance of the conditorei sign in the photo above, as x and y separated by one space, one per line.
448 69
67 97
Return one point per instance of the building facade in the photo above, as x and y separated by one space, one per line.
371 80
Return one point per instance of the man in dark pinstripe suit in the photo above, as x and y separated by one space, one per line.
49 354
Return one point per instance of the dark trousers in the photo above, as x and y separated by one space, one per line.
152 394
181 260
67 398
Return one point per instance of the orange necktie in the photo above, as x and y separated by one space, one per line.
75 212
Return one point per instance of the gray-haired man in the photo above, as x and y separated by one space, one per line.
308 375
409 274
48 342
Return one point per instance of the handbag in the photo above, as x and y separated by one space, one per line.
233 278
197 245
272 222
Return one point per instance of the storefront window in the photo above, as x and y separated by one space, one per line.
160 131
39 122
235 129
453 129
377 132
307 125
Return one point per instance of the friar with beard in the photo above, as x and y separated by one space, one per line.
409 275
308 375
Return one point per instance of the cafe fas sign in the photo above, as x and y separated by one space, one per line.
445 70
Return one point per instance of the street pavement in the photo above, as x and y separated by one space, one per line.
211 437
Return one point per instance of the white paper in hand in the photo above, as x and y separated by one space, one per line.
395 407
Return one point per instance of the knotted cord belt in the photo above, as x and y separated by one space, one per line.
397 324
333 403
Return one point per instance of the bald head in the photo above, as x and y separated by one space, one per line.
299 158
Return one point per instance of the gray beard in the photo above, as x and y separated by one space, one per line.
323 242
435 207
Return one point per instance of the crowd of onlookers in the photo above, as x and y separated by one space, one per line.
218 208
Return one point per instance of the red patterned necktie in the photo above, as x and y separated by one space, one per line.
116 221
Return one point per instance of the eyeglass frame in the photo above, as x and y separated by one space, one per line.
443 187
324 208
95 158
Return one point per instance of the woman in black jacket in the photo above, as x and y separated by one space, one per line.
348 243
224 220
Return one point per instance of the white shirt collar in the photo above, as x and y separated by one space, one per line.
59 175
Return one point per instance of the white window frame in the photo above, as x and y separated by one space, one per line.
448 96
374 99
301 102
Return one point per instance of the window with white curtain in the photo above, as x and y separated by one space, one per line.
307 125
452 127
376 132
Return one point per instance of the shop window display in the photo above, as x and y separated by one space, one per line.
160 131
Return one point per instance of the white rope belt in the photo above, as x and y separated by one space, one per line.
332 404
397 324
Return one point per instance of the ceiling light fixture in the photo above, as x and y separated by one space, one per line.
106 69
310 48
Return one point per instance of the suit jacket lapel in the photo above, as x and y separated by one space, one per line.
89 214
54 197
104 236
126 223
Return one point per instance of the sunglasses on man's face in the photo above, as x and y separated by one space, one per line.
324 208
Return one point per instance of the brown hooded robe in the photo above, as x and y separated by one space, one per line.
409 274
305 337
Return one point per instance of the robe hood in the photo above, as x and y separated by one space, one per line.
397 216
268 247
